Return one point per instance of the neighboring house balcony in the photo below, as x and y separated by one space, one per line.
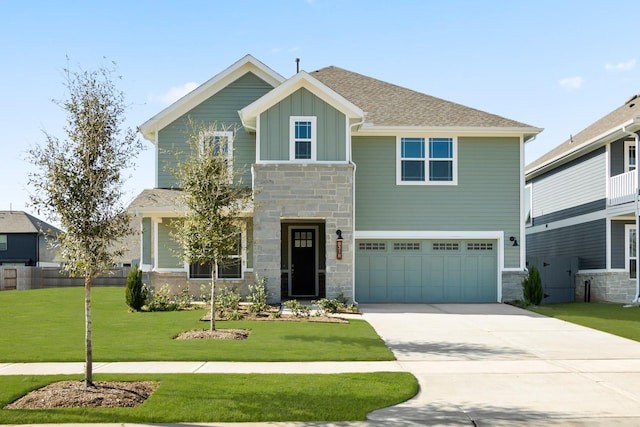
623 188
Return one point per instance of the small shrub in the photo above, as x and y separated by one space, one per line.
532 287
205 293
135 291
327 306
184 299
341 299
258 296
297 309
161 300
227 302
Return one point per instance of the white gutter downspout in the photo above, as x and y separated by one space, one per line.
636 135
353 212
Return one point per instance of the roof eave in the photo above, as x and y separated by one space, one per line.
613 134
206 90
249 114
526 132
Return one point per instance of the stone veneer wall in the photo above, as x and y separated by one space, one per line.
512 285
606 287
321 192
177 281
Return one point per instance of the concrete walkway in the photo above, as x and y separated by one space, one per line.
478 365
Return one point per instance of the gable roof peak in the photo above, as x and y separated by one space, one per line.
246 64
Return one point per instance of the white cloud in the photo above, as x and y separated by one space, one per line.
621 66
175 93
571 83
285 50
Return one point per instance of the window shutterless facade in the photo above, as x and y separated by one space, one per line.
3 242
426 161
302 134
229 268
219 140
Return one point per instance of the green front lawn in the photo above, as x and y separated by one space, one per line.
47 325
612 318
204 398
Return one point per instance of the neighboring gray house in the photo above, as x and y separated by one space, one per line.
363 187
23 240
582 204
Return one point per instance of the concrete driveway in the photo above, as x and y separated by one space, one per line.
498 365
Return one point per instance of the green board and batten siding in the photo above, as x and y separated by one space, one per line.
274 127
221 108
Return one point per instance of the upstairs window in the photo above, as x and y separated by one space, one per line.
219 141
302 142
426 161
629 156
3 242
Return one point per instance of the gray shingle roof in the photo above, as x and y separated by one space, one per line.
157 198
387 104
22 222
628 111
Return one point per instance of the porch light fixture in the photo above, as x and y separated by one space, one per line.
514 240
339 244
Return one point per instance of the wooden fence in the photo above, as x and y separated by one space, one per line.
22 278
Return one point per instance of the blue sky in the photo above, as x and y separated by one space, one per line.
555 64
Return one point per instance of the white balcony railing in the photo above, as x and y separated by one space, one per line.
623 188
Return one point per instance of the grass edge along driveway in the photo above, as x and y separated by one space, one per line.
613 318
47 325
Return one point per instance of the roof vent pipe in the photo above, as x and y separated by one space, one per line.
297 65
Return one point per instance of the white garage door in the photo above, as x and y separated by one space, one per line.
426 271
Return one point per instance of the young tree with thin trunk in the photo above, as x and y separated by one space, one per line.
79 182
213 197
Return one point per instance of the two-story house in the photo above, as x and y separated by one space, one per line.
25 240
582 202
361 187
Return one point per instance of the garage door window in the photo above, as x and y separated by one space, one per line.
406 246
372 246
479 246
446 246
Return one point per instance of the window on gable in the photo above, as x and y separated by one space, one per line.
219 141
303 138
426 161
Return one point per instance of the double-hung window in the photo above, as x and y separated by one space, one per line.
228 268
631 252
629 156
3 242
219 141
426 161
302 143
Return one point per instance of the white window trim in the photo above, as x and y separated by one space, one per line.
230 137
292 139
530 222
454 166
242 257
627 257
627 145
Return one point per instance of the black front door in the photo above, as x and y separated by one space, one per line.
303 262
